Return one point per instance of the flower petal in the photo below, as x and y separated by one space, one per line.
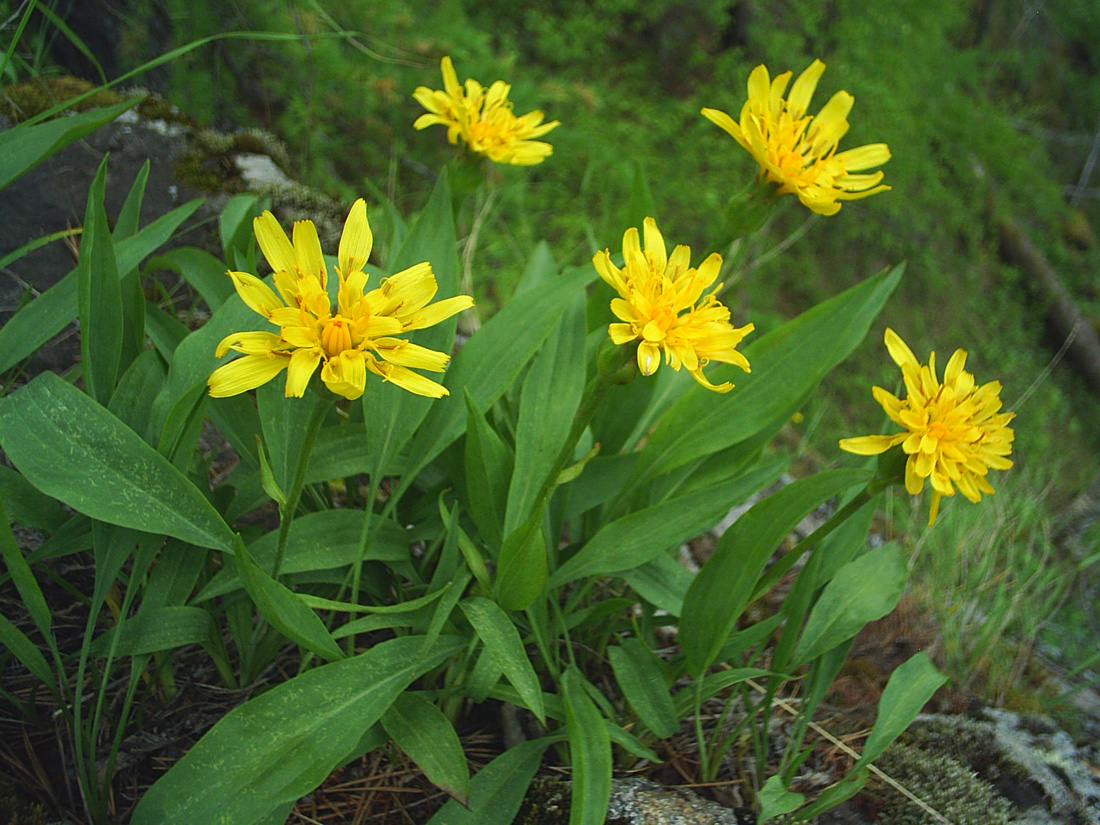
356 240
303 363
245 373
274 243
257 295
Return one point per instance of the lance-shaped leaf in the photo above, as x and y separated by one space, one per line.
502 640
722 588
282 744
100 297
862 591
421 730
631 541
589 751
23 148
638 672
71 448
489 362
909 688
285 609
498 789
548 401
521 570
50 312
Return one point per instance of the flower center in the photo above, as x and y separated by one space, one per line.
336 336
664 318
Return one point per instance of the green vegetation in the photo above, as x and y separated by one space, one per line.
985 109
976 103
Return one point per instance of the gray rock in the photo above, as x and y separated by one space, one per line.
641 802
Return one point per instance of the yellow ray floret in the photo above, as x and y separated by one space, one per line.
798 152
483 119
662 307
954 432
348 341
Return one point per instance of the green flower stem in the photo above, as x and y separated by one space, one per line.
286 516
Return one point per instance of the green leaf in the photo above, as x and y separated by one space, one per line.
909 689
173 576
341 452
715 683
26 505
324 540
235 223
285 609
162 628
548 403
50 312
786 364
452 592
638 672
282 744
589 750
26 652
483 678
181 428
635 539
501 638
541 267
100 297
21 576
422 731
267 478
832 796
205 273
521 567
132 402
497 790
775 800
24 147
133 298
862 591
488 470
284 422
662 581
71 448
721 590
489 362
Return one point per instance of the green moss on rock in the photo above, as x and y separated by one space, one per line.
943 783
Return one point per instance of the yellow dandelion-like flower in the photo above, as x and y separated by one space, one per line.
954 433
348 342
661 308
483 119
798 152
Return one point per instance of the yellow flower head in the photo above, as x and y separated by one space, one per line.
661 309
798 152
953 434
354 338
483 119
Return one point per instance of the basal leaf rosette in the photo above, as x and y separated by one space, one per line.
347 341
798 152
954 432
662 307
483 120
